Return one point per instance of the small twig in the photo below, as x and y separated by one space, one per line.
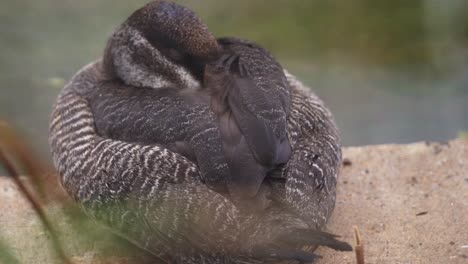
422 213
359 247
30 197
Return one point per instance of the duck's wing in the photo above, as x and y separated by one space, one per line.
246 173
260 117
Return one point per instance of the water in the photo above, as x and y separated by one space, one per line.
391 73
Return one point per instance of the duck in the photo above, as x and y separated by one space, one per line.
174 199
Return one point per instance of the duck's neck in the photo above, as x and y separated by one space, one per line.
130 57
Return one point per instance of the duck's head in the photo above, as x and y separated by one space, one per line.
160 45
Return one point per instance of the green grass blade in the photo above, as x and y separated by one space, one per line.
6 255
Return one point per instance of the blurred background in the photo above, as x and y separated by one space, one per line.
391 71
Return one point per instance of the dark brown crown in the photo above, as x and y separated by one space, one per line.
176 27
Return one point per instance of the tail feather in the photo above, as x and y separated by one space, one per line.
316 237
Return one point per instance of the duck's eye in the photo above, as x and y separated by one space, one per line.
174 54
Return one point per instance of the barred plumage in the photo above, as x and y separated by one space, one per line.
150 195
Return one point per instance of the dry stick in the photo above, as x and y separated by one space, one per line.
34 168
36 206
359 247
31 164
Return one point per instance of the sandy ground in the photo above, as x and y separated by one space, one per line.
410 203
